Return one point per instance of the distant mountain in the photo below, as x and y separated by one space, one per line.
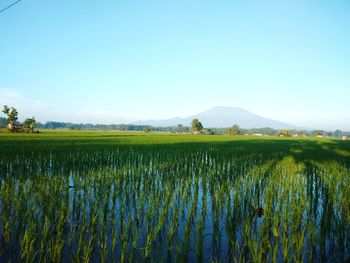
221 117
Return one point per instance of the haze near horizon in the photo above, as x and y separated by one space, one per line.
116 62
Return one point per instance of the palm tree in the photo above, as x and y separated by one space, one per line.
12 116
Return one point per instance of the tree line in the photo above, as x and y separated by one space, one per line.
12 124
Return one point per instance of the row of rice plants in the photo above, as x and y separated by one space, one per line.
139 203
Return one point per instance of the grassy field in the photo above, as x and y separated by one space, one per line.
90 196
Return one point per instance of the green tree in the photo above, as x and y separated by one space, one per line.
29 124
12 116
301 133
196 125
234 130
285 133
207 131
179 128
318 133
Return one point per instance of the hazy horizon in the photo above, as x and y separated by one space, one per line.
120 62
137 121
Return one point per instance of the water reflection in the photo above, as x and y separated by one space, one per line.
171 205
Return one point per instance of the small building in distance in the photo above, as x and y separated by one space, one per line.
344 137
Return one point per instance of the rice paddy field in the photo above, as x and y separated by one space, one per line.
78 196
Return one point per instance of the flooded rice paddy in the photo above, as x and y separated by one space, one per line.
195 203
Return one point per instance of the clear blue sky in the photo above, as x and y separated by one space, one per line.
118 61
